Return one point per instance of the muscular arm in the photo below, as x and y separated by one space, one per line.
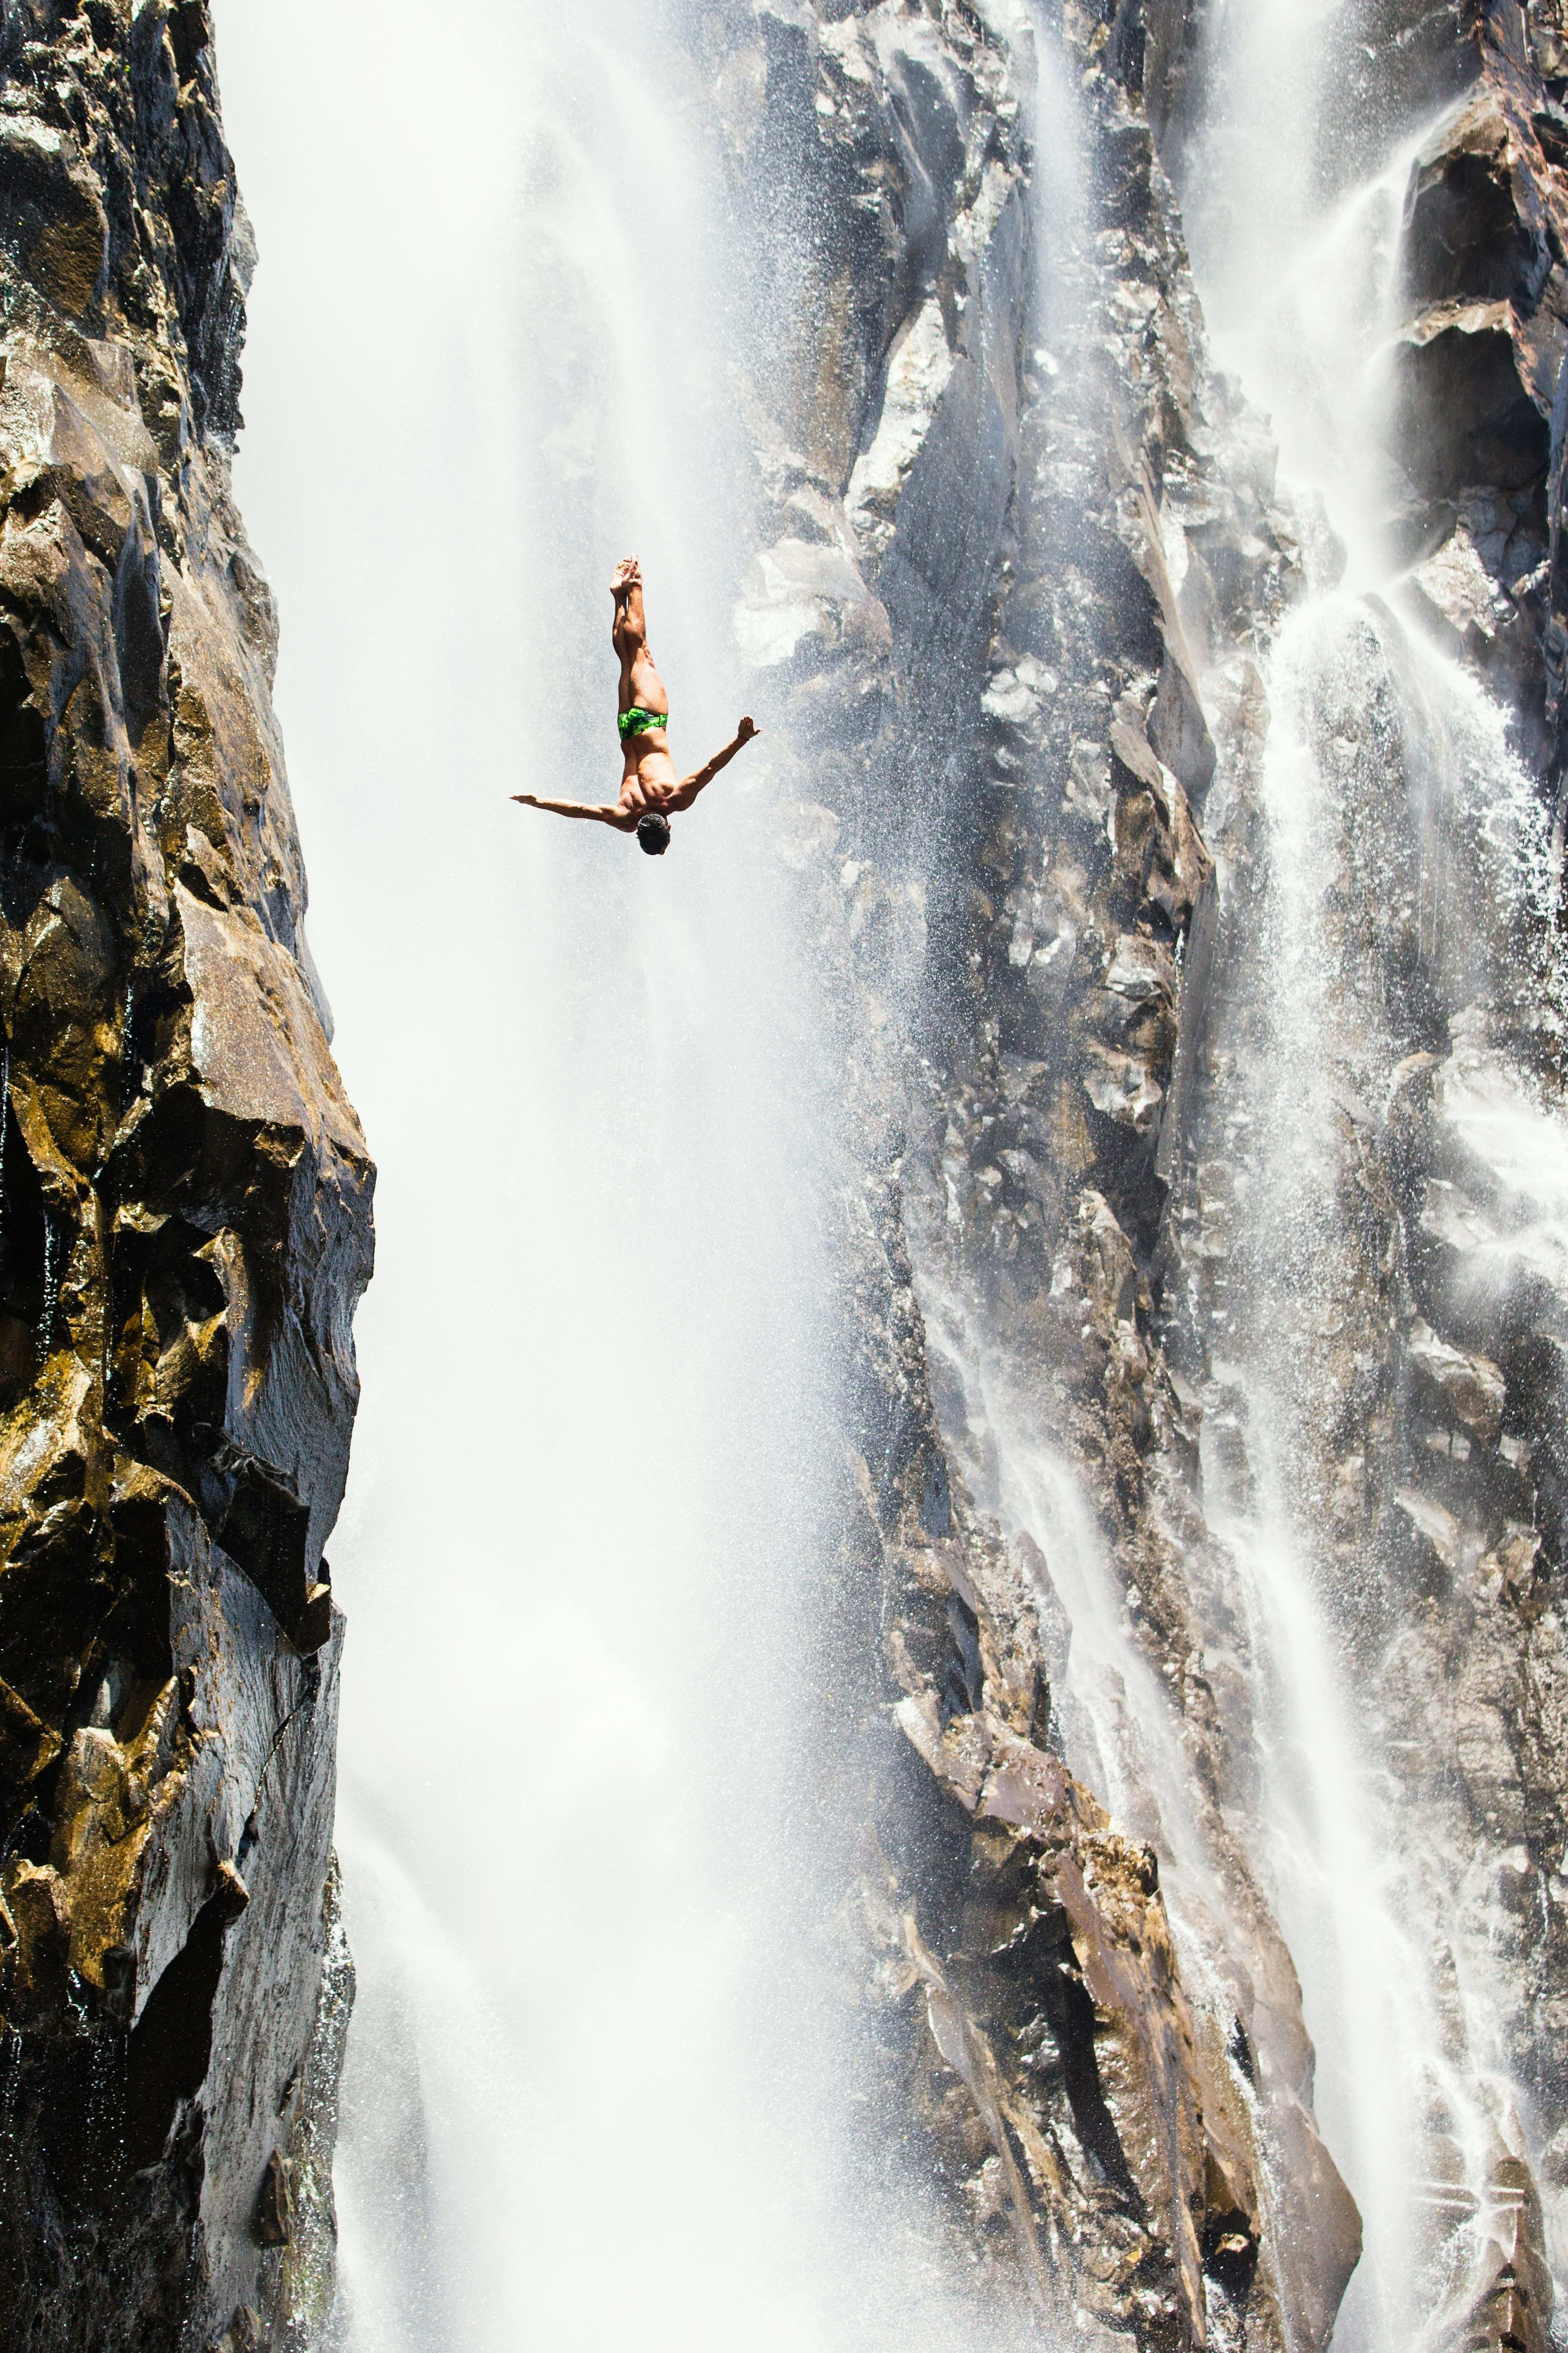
703 777
601 812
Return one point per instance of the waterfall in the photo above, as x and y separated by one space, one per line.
1395 909
582 2098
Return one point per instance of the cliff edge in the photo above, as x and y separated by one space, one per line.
184 1230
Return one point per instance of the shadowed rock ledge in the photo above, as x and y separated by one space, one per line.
184 1230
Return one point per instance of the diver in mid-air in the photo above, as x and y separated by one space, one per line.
651 792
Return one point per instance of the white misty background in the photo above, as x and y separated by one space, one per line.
588 2097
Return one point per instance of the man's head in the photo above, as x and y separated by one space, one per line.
653 834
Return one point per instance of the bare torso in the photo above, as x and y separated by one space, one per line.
649 782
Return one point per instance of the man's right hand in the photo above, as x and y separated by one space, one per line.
528 800
746 730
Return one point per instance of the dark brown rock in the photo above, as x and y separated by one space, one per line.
275 2204
185 1228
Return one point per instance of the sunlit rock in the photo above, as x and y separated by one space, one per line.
185 1228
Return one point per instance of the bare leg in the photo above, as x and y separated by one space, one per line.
628 630
640 681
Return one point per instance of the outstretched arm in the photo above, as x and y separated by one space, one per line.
691 786
601 812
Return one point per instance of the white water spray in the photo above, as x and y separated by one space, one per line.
588 2093
1389 798
598 2092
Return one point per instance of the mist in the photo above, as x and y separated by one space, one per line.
484 361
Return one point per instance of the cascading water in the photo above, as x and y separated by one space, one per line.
1398 909
581 2093
1387 882
1119 1731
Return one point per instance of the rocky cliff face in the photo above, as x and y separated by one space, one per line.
1022 566
1031 616
185 1228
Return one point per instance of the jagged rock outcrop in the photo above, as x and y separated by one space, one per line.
185 1228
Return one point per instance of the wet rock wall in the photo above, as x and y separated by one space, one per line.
1021 560
966 605
185 1228
1424 1382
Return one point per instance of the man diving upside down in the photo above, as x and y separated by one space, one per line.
651 792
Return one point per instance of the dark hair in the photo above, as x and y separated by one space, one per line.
653 834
